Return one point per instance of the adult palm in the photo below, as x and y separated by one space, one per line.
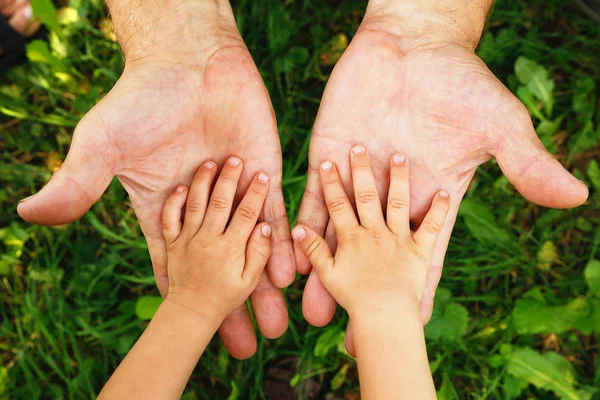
446 111
152 131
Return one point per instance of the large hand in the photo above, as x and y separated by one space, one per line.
443 108
152 131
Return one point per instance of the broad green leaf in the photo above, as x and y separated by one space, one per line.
527 364
592 322
592 276
46 12
537 79
512 386
481 222
525 69
563 365
38 51
532 316
146 307
328 340
449 320
593 172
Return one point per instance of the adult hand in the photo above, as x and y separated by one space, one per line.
190 92
411 83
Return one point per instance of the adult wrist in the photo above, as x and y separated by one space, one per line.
174 31
426 23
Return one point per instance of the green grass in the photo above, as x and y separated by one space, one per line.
516 316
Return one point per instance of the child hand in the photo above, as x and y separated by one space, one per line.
377 265
214 264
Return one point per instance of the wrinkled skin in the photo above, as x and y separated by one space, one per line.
445 110
153 130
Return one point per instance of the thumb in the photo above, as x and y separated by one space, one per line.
534 172
78 184
257 252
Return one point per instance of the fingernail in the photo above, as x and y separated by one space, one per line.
398 159
360 149
234 161
265 230
25 199
209 165
326 166
299 233
263 178
180 189
28 12
444 194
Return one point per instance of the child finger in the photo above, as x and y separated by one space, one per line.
427 234
368 204
221 200
398 204
171 217
245 217
257 253
197 202
338 204
315 248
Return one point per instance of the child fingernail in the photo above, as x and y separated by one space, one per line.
444 194
299 233
234 161
263 178
266 230
180 189
399 159
360 149
209 165
326 166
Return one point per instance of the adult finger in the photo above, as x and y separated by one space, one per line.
313 213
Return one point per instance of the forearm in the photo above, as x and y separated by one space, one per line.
442 21
173 30
161 362
391 355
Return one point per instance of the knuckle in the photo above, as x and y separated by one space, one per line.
398 203
367 197
337 204
313 248
257 191
247 213
195 206
374 234
432 227
262 249
219 203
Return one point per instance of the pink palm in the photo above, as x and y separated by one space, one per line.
152 131
448 113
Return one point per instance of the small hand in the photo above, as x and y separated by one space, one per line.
379 263
215 264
